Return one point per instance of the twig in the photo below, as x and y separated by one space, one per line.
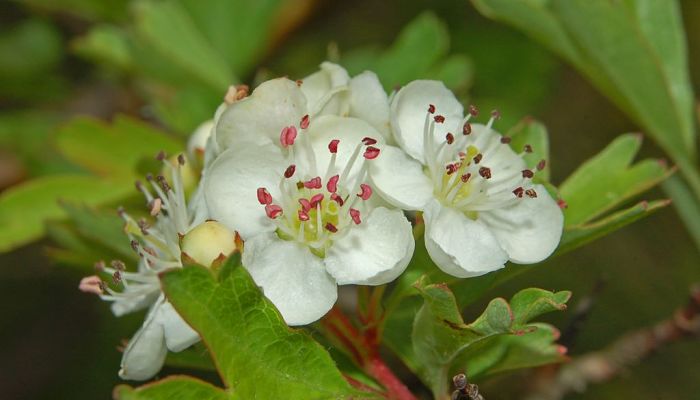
630 349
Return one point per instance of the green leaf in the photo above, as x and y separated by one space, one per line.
169 30
257 355
609 179
441 337
172 387
456 71
577 236
107 44
25 207
195 357
533 133
103 228
634 51
112 150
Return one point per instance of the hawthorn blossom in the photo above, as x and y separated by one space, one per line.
303 205
159 248
260 117
480 204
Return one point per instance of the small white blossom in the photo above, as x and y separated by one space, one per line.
158 247
481 208
301 202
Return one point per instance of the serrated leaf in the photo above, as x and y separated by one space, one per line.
531 132
173 387
633 51
441 337
609 179
579 235
169 29
25 207
257 355
112 150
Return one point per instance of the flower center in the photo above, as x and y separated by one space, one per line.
317 209
459 169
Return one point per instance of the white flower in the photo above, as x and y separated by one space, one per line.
158 247
480 205
277 103
302 204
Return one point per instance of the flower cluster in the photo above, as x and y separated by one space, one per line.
315 176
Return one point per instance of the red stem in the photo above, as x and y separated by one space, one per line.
396 390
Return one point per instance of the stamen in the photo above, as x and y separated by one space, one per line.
465 177
91 284
288 136
331 228
541 165
371 153
313 183
450 138
366 191
304 124
439 119
337 199
562 204
528 174
473 111
527 148
305 204
505 139
181 159
264 197
303 215
161 155
368 141
485 172
531 193
316 200
355 215
518 192
332 184
289 172
467 129
431 108
273 211
333 146
477 158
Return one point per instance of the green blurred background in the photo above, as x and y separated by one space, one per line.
93 58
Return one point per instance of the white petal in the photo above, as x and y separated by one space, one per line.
374 252
231 187
529 231
129 304
178 334
291 277
459 245
326 90
145 354
369 102
198 140
400 179
260 117
350 132
408 110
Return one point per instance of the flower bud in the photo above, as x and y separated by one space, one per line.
207 242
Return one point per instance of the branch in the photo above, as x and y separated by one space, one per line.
627 351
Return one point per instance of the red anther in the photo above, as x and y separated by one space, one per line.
467 128
288 136
160 156
477 158
528 174
450 138
332 184
365 191
289 172
541 165
527 148
331 228
505 139
473 110
264 197
337 199
304 122
305 204
531 193
439 119
562 204
518 192
303 215
465 177
92 284
371 153
313 183
495 114
485 172
316 200
452 168
181 159
333 146
273 211
355 215
368 141
431 108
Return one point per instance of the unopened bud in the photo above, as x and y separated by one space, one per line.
208 241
